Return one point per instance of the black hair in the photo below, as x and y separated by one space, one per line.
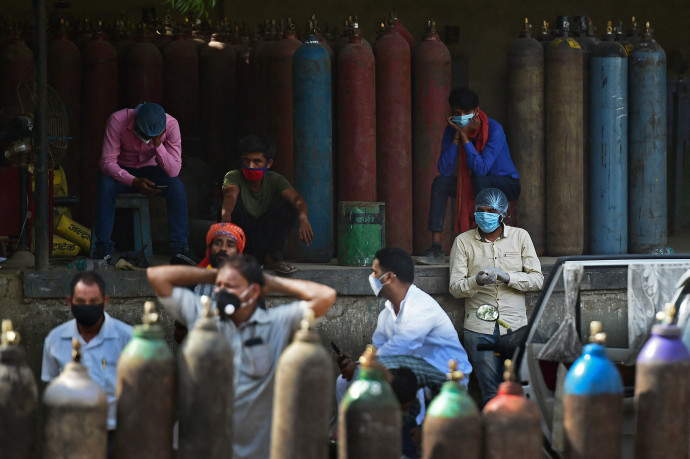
247 266
88 278
404 384
463 98
398 261
254 143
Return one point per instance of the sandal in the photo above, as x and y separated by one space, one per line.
284 268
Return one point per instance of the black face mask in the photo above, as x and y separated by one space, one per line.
87 315
227 303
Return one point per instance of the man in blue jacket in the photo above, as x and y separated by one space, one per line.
474 149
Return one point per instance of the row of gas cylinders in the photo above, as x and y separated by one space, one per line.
587 131
370 416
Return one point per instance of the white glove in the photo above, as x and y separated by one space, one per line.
500 274
486 276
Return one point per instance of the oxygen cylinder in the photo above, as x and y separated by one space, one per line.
217 100
17 64
647 217
370 420
620 38
662 393
400 28
453 425
64 75
262 79
511 422
144 75
394 136
544 36
205 391
564 179
145 393
18 398
609 149
76 413
304 373
431 75
526 131
181 86
633 33
280 115
593 403
311 82
356 120
244 110
124 41
98 101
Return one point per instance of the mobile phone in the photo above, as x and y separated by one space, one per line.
336 348
161 187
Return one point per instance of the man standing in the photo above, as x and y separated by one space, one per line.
102 338
412 329
492 264
264 204
257 336
483 162
142 151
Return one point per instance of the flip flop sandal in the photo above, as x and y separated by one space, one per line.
284 268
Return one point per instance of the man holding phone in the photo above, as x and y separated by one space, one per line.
142 151
474 156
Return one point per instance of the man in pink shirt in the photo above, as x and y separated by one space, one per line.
142 152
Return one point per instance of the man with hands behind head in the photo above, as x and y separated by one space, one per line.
492 264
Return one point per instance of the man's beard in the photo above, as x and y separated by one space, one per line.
215 259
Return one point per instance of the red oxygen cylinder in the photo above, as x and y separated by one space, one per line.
99 100
400 28
394 136
432 76
279 118
356 120
64 75
122 45
181 85
144 73
217 65
245 86
16 67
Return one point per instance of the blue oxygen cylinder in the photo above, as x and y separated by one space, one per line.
647 146
609 148
593 403
311 83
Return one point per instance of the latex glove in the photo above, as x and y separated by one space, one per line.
500 274
486 276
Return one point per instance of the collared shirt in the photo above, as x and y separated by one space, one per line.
514 253
99 356
421 329
122 147
256 345
494 160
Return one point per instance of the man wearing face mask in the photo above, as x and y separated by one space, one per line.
264 205
474 156
492 264
101 336
256 336
142 152
412 329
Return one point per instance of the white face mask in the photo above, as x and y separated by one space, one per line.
375 283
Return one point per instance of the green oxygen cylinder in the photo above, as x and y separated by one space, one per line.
76 413
370 420
18 398
145 393
453 425
205 396
302 399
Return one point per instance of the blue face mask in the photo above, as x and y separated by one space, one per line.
462 120
487 221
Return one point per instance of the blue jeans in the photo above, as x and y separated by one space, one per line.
444 187
487 367
174 194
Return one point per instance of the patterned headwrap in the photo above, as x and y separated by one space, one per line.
223 229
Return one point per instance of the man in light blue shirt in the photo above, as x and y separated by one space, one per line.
102 338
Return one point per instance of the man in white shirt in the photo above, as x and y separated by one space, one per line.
412 330
102 338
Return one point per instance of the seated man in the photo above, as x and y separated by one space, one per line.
102 338
412 329
256 336
264 204
142 152
484 162
492 264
